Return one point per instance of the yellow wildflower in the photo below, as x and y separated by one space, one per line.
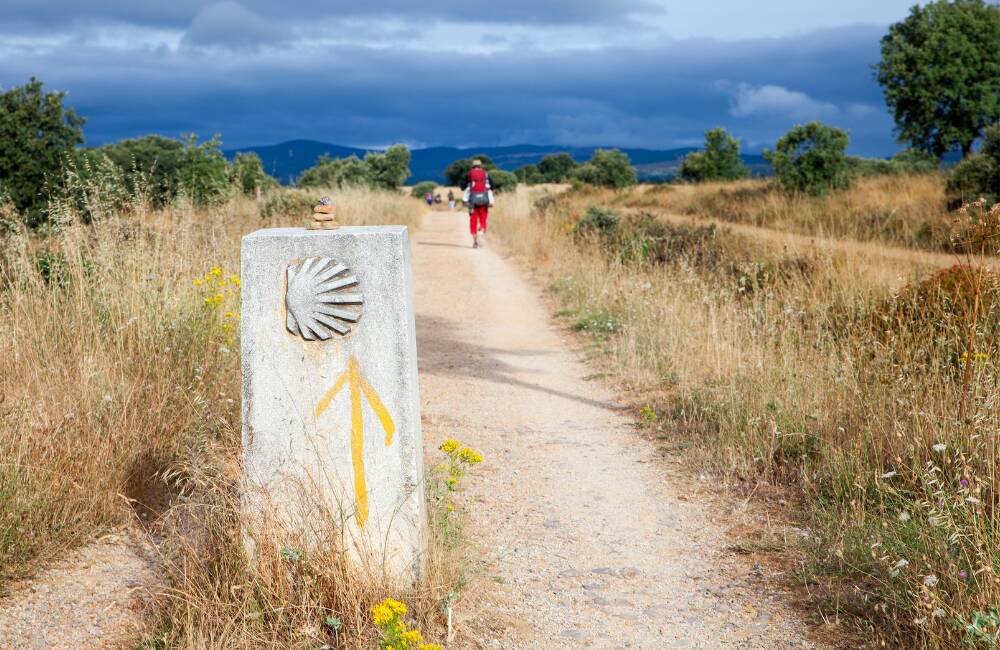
429 646
448 446
216 271
198 282
412 636
449 507
228 314
387 611
469 456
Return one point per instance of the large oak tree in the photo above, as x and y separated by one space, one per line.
940 71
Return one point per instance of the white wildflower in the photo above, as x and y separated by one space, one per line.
889 474
937 613
972 500
930 580
901 564
108 398
903 516
939 447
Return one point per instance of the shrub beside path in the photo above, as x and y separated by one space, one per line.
590 538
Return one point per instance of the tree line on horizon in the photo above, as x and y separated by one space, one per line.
939 70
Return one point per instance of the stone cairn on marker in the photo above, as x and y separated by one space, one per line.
322 216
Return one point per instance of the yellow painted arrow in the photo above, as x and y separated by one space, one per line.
359 386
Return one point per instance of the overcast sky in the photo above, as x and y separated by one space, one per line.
644 73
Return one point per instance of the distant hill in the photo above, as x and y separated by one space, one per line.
286 161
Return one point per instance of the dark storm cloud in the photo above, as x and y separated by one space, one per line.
180 13
660 96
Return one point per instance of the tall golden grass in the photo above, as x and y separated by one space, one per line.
904 210
119 400
797 369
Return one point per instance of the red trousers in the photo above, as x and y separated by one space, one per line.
477 218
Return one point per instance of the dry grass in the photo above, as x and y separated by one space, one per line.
119 395
904 210
796 369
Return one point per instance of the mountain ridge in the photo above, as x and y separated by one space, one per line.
287 160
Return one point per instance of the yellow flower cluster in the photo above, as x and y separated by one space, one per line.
387 611
449 446
977 358
469 456
387 615
218 285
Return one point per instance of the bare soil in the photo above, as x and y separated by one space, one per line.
590 538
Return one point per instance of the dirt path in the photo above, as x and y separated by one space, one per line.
96 597
590 538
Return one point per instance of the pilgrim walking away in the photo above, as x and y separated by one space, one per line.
478 195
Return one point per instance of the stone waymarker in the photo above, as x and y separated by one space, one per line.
331 411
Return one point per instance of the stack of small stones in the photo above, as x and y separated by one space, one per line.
322 216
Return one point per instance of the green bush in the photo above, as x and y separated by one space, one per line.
607 168
288 204
529 175
503 181
598 220
978 176
556 168
422 188
810 158
386 170
719 160
335 172
247 173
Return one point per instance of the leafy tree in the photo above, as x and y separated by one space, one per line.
528 174
37 135
340 172
607 168
247 172
421 189
810 158
388 170
503 181
150 163
915 161
458 170
556 168
204 171
979 174
720 160
940 72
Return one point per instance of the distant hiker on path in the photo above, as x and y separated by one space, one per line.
451 199
429 198
478 194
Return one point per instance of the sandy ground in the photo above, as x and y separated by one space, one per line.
590 539
96 597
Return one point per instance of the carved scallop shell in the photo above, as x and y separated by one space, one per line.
319 301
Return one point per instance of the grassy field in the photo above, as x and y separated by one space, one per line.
902 210
863 387
119 396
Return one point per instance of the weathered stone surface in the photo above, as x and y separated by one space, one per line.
331 428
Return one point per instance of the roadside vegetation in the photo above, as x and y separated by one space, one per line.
119 377
866 389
